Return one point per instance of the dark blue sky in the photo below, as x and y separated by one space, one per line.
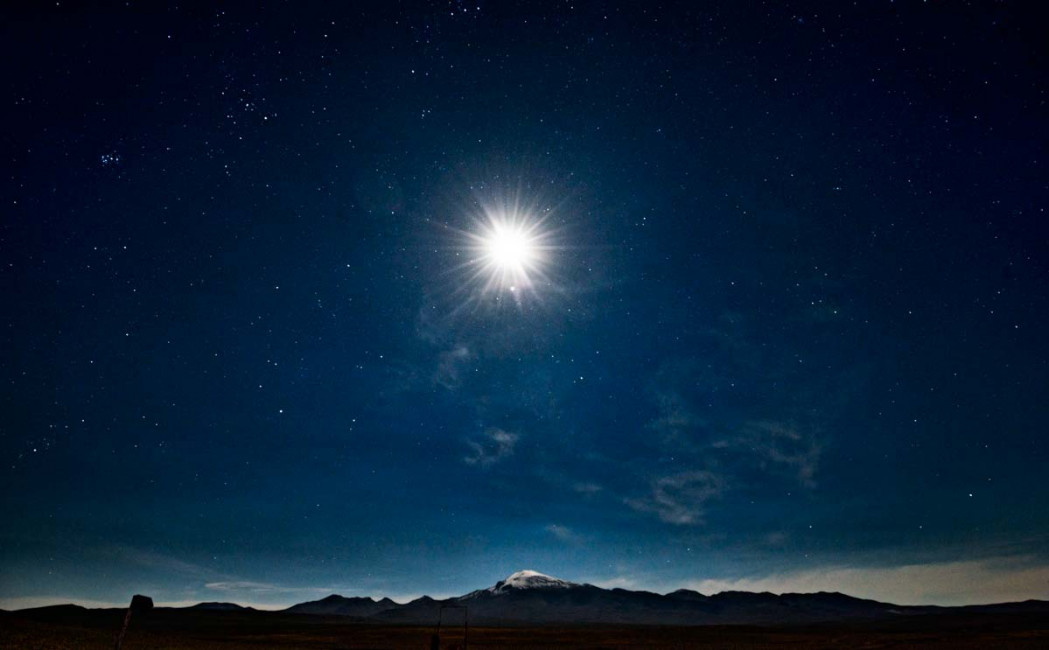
785 330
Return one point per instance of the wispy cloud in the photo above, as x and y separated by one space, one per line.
449 363
587 488
259 588
496 445
714 414
564 534
205 579
168 563
681 498
676 421
780 444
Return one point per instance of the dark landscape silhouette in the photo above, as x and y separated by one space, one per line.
530 609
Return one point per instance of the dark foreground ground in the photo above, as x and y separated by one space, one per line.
57 628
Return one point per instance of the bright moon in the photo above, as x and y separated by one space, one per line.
509 251
509 247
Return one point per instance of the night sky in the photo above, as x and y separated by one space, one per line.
400 299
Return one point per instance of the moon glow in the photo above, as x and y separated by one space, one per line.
509 248
509 251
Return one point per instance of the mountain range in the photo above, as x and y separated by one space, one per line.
532 598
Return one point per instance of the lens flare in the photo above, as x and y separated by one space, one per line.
508 249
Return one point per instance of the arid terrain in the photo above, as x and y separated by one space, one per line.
73 628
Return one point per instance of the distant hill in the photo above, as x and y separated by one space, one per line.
221 607
343 606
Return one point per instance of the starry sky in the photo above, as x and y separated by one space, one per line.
779 323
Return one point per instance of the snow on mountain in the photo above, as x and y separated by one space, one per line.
528 579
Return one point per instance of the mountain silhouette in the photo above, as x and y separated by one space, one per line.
342 606
532 598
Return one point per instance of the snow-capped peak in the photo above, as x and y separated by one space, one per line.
529 580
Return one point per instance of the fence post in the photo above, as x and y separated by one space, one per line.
138 604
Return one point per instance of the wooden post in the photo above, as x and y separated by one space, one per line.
139 604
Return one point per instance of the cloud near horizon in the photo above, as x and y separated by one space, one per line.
966 582
239 586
